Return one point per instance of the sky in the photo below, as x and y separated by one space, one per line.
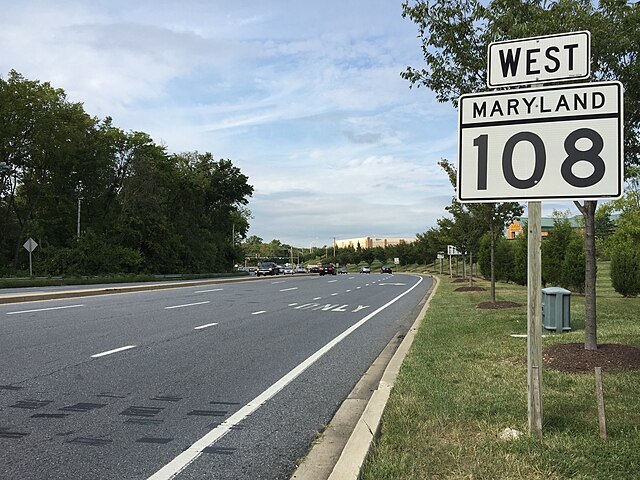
305 98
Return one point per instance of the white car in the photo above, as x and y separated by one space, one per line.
288 271
365 269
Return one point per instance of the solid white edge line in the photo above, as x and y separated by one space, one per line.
184 459
44 309
115 350
212 290
186 305
205 326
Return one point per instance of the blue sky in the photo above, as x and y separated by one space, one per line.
305 97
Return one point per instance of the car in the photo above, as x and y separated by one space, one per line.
343 270
327 269
314 269
365 269
288 271
301 269
385 269
267 268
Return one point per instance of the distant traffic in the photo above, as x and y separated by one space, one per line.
273 268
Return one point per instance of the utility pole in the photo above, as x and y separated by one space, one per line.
78 226
334 249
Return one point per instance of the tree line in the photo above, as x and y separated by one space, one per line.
100 200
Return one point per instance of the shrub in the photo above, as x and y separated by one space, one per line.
572 274
625 270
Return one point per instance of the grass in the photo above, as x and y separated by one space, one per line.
465 380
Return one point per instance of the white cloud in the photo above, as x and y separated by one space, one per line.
305 97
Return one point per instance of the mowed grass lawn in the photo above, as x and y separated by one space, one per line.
465 380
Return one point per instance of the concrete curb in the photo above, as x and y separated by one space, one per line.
355 451
89 292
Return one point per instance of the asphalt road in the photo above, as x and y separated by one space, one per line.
225 381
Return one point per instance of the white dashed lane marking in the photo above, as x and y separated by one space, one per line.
44 309
205 326
115 350
186 305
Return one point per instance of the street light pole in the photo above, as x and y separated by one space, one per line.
78 226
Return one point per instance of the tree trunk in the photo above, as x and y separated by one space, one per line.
493 265
464 263
590 327
470 269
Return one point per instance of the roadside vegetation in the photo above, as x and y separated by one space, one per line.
98 200
465 380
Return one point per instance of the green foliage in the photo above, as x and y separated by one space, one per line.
520 249
141 208
484 256
554 247
504 258
573 266
625 270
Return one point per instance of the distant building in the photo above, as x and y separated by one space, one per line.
516 228
372 242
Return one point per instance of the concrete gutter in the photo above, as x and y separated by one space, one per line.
334 458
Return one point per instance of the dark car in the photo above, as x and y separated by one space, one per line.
385 269
327 269
314 269
343 270
267 268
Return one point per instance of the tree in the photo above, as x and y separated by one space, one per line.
47 151
142 209
455 36
554 249
485 217
625 270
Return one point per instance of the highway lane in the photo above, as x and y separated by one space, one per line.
196 357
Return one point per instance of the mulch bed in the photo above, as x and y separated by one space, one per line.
461 280
573 358
497 305
469 289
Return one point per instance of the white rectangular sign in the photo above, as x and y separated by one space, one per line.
562 143
539 59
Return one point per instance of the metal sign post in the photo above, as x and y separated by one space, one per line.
30 245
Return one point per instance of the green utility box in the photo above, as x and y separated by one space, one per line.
556 308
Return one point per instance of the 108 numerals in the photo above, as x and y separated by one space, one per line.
574 155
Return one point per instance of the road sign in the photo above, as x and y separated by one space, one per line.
539 59
451 250
551 143
396 261
30 245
